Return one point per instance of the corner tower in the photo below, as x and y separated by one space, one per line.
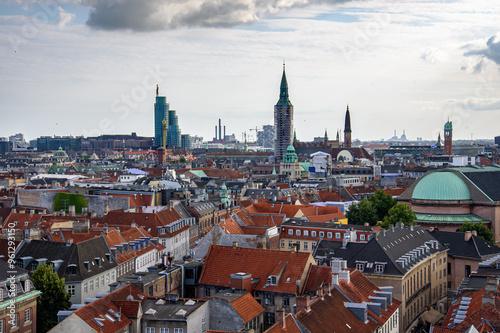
283 120
347 129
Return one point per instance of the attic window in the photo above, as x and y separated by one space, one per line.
98 261
379 267
87 266
360 266
99 321
110 318
71 269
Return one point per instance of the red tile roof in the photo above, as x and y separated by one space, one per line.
101 307
247 307
290 326
317 276
222 261
230 226
319 318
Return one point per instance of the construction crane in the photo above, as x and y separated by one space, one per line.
256 129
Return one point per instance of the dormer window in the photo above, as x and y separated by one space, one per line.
290 232
272 280
379 267
71 270
98 261
360 266
87 265
27 285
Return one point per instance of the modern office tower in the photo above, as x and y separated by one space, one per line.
173 130
265 138
283 120
186 141
161 113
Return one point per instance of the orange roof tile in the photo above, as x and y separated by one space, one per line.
247 307
290 326
222 261
230 226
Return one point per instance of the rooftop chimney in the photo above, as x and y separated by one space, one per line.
280 317
71 210
235 245
303 303
474 232
468 235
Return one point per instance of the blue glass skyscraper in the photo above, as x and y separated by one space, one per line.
161 112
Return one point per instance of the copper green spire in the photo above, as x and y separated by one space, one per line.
284 90
294 135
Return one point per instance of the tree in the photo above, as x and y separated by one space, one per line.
54 297
182 159
62 201
382 202
400 212
482 230
361 213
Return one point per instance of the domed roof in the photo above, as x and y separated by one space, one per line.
441 186
290 148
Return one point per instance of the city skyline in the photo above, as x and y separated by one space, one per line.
66 71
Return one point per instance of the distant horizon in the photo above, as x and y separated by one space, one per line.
72 67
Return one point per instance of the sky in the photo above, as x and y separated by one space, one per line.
90 67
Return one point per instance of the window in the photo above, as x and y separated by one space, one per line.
85 288
207 291
289 244
150 330
329 235
360 266
27 315
467 270
268 299
203 325
268 318
449 268
321 234
286 301
282 243
97 283
306 233
102 280
313 246
1 326
91 285
178 330
338 235
163 330
13 321
290 232
314 233
379 268
306 246
297 232
70 289
362 237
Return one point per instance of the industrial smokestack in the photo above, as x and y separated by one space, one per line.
224 137
220 130
215 132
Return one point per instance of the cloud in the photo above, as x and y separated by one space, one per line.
154 15
482 52
64 18
476 104
434 56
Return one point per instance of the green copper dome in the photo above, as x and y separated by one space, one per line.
441 186
448 126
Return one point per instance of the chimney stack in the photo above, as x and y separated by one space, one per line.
474 232
303 303
280 317
468 235
235 245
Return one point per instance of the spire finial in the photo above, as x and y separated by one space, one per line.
283 64
157 90
347 107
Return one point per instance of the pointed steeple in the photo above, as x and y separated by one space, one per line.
347 126
284 90
294 135
326 136
338 135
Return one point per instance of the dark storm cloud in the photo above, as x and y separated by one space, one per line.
152 15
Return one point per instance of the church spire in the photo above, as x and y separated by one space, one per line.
326 136
347 129
284 89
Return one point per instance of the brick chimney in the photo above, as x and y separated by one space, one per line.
474 232
468 235
241 281
303 303
71 210
326 288
280 317
490 291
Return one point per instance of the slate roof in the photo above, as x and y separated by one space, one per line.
70 254
486 181
222 261
386 247
475 248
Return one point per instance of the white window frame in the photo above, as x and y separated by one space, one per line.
338 235
306 233
27 315
290 232
150 330
297 232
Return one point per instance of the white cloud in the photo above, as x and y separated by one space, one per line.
64 18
